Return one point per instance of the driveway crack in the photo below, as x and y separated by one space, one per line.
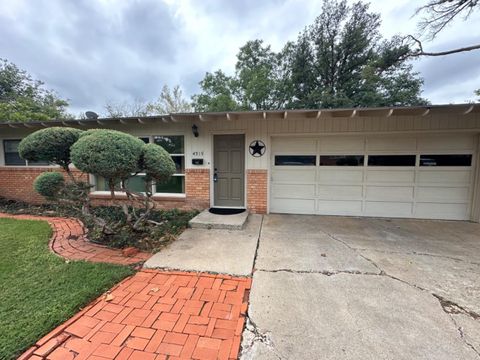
451 308
253 335
258 245
323 272
354 250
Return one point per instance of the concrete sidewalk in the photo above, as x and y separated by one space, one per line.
218 251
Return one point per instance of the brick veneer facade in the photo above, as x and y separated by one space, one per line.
17 183
257 182
197 187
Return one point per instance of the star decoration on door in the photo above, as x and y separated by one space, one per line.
257 148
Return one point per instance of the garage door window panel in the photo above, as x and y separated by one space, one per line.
391 160
295 160
342 160
446 160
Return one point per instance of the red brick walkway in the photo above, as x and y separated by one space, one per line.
155 315
70 242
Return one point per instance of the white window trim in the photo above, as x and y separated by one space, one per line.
154 193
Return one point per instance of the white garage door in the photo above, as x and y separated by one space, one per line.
427 177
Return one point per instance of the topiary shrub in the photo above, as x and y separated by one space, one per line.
50 144
49 184
108 153
157 163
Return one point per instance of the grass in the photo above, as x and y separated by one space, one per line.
39 290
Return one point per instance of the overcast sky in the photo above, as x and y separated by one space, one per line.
94 51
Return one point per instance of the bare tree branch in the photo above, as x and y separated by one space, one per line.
420 52
440 13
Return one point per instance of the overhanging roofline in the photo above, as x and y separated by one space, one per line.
453 109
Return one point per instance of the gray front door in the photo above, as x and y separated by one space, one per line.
229 170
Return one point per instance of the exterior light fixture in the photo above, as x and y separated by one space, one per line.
195 130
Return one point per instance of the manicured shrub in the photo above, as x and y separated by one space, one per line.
49 184
111 154
50 144
157 163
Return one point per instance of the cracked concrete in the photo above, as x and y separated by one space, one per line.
307 252
457 281
351 288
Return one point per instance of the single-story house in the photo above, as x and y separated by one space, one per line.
411 162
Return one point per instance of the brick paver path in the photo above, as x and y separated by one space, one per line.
70 242
155 315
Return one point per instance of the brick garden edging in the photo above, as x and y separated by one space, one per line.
70 242
155 315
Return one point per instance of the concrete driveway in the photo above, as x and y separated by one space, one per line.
359 288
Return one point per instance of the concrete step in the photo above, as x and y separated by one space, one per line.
207 220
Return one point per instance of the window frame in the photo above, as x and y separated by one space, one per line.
444 154
26 163
151 139
413 165
362 156
314 156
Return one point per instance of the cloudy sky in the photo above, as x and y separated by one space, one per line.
94 51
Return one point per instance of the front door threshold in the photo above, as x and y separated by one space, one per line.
207 220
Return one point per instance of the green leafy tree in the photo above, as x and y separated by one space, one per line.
256 76
341 60
24 99
218 93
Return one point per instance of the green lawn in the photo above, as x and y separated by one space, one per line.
39 290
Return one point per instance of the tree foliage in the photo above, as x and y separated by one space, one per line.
218 93
24 99
50 144
111 154
341 60
49 184
156 163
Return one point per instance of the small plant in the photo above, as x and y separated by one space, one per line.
49 184
118 156
113 155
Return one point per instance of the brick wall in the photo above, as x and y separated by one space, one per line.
257 181
17 183
197 187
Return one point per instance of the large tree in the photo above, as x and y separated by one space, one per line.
218 93
23 98
341 60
